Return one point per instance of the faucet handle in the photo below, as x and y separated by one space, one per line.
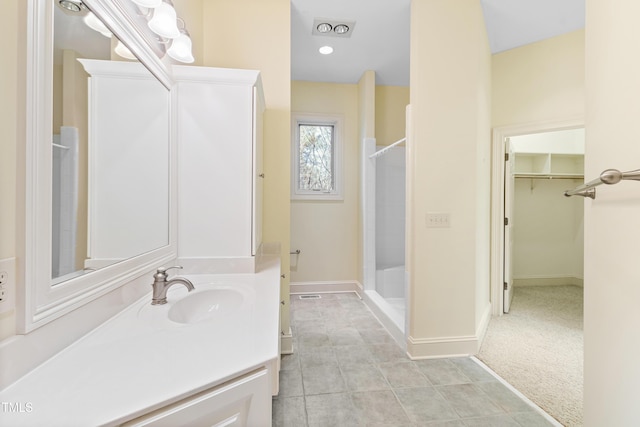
161 273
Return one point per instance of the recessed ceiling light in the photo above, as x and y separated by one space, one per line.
341 29
328 27
326 50
324 27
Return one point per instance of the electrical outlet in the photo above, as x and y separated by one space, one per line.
438 220
7 284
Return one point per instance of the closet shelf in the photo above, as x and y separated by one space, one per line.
548 165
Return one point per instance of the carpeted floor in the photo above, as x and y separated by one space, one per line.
538 349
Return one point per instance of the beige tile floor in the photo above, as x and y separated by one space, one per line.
347 371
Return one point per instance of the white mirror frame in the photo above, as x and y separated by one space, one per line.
40 302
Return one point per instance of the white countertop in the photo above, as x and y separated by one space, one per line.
139 361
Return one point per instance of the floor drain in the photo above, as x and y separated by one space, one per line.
309 296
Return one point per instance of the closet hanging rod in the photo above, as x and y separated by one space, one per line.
387 148
550 177
609 177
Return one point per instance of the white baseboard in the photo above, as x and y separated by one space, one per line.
286 343
296 288
548 281
435 348
481 331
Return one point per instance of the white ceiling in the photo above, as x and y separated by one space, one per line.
380 39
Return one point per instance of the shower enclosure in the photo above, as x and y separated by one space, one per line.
384 233
64 201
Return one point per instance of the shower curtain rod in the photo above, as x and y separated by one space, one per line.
387 148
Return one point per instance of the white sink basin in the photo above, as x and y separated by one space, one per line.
205 305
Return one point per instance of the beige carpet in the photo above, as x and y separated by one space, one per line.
538 349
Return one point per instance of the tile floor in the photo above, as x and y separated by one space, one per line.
348 371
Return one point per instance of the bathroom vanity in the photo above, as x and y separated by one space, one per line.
209 357
89 347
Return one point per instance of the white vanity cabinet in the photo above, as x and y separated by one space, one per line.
218 124
241 402
128 162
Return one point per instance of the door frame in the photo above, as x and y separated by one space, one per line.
497 195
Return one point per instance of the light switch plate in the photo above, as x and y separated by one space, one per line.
438 219
7 284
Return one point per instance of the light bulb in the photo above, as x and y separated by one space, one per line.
180 49
95 24
341 29
324 27
165 21
71 5
124 51
326 50
150 4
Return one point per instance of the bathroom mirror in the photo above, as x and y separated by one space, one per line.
134 180
106 174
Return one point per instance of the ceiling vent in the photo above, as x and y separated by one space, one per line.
332 27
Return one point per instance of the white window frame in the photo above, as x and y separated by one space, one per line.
317 119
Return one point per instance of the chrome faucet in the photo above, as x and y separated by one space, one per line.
161 285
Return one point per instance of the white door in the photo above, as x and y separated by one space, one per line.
509 185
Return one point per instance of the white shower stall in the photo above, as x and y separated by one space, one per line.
64 201
384 199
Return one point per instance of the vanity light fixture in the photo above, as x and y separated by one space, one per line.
180 49
164 21
71 5
326 50
124 51
149 4
95 24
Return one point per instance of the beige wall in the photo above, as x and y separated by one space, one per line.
448 172
548 232
367 104
612 225
255 34
539 82
327 232
9 33
75 95
391 103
